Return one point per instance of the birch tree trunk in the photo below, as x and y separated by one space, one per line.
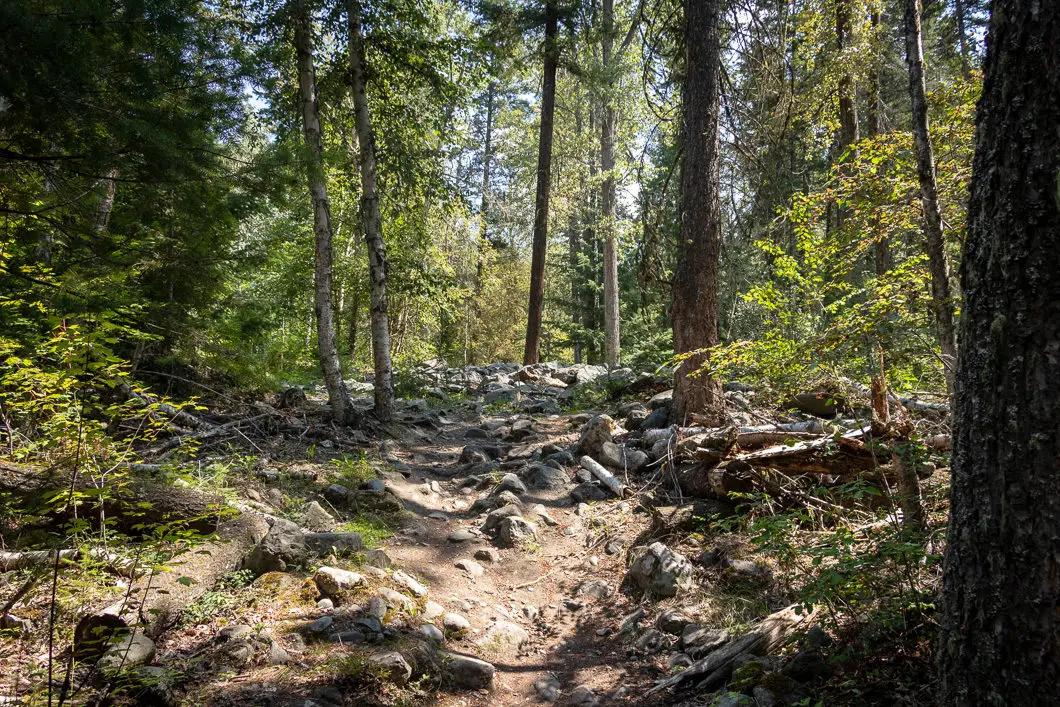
929 197
1000 637
338 397
372 219
695 293
532 349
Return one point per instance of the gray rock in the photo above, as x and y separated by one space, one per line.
732 699
317 519
16 624
473 568
348 637
543 476
672 621
468 673
368 624
494 501
282 547
320 626
409 583
658 419
432 632
807 665
232 633
488 554
679 660
547 688
324 543
511 483
378 558
391 666
661 400
494 518
750 568
432 610
460 536
588 492
652 641
595 588
659 570
332 581
379 501
596 432
521 429
763 697
394 599
325 604
610 454
583 696
455 623
337 495
377 607
515 530
817 637
132 651
504 637
277 654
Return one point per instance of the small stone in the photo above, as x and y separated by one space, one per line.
277 654
231 633
130 652
588 492
659 570
672 621
432 610
332 580
547 688
652 641
455 623
613 547
391 666
468 673
395 600
516 530
679 660
432 632
325 604
530 612
583 696
321 625
460 536
368 624
488 555
378 557
595 588
493 520
473 568
317 519
348 637
409 583
504 637
511 483
377 607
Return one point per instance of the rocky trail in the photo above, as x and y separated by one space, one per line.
486 548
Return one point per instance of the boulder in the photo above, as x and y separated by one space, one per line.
468 673
494 518
660 571
661 400
595 588
588 492
390 666
469 566
504 637
596 432
658 419
515 530
543 476
282 547
325 543
132 651
317 519
511 483
332 581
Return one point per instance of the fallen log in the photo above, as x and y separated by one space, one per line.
837 456
606 477
172 443
121 566
715 668
177 416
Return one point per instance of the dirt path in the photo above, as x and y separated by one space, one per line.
573 638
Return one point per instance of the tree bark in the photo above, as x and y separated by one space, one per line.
338 397
483 239
962 38
372 218
607 191
929 198
695 319
848 106
532 350
1000 638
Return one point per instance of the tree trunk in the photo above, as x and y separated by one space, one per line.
607 192
338 397
532 350
695 319
929 197
373 220
1000 641
962 38
483 239
848 106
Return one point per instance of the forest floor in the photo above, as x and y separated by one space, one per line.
554 613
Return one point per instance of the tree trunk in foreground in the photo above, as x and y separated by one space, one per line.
1000 640
532 351
929 194
373 220
695 318
612 349
338 397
